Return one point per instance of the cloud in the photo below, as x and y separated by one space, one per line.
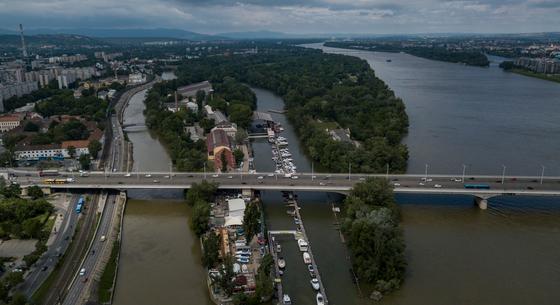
296 16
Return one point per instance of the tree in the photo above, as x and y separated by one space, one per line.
238 155
226 275
203 191
13 278
31 127
251 218
224 162
200 217
94 147
85 161
211 245
264 287
18 299
240 114
35 192
241 136
71 151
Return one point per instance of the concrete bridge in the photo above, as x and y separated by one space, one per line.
488 186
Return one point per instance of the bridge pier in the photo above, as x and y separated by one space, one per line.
482 201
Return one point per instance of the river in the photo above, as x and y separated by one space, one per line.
160 256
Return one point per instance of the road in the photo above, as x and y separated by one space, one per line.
95 252
36 275
529 185
73 256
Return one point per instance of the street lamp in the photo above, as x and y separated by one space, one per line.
387 174
503 173
426 171
542 173
464 169
349 170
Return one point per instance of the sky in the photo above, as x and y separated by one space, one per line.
290 16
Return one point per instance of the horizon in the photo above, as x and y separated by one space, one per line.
361 17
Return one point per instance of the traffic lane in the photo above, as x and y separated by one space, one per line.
93 255
155 179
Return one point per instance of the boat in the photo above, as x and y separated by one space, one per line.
306 258
278 248
281 263
315 284
286 300
302 244
311 270
243 260
320 299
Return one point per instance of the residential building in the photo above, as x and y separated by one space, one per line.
10 121
228 127
17 89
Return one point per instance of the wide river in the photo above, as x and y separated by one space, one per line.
457 254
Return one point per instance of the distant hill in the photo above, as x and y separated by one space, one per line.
59 39
258 35
115 33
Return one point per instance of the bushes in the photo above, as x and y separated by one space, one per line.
373 235
199 197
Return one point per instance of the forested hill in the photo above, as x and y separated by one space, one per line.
322 91
471 58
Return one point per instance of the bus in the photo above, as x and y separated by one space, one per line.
58 181
48 172
477 186
80 205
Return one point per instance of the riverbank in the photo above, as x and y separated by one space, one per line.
548 77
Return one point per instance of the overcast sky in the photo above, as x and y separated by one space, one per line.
292 16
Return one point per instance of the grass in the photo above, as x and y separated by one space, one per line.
550 77
107 278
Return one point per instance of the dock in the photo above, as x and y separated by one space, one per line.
277 111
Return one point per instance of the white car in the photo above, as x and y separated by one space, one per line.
127 175
396 184
438 186
421 183
82 271
215 176
260 177
148 176
271 175
230 177
295 177
103 238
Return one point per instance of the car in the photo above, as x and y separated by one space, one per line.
215 176
322 183
84 280
530 188
82 271
44 268
166 177
362 179
156 181
396 184
295 177
438 186
127 175
313 177
147 175
421 183
260 182
270 175
260 177
103 238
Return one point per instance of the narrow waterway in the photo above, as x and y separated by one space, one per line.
160 256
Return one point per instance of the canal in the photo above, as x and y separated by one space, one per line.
160 256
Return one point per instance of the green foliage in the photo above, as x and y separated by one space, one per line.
200 217
85 161
90 107
18 299
226 275
373 235
211 245
224 162
94 147
18 217
316 87
238 155
9 190
72 151
264 285
108 276
203 191
240 114
30 126
251 223
59 132
16 102
35 192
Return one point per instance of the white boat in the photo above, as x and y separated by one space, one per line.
302 244
281 263
320 299
278 248
315 284
286 300
306 258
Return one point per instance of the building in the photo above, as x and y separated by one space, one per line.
342 135
192 89
228 127
218 143
17 89
10 121
236 211
136 78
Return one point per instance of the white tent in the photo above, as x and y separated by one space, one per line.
233 221
236 207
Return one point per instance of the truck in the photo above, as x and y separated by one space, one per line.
80 205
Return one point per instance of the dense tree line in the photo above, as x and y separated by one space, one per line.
91 107
375 240
471 58
318 88
199 196
58 132
37 95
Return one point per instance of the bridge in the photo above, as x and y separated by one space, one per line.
323 182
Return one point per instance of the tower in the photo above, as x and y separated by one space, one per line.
23 49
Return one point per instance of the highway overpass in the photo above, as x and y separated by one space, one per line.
323 182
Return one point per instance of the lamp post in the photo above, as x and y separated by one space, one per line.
387 173
312 171
503 173
170 170
542 173
426 172
349 170
464 169
205 171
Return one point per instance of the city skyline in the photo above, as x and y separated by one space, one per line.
291 16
